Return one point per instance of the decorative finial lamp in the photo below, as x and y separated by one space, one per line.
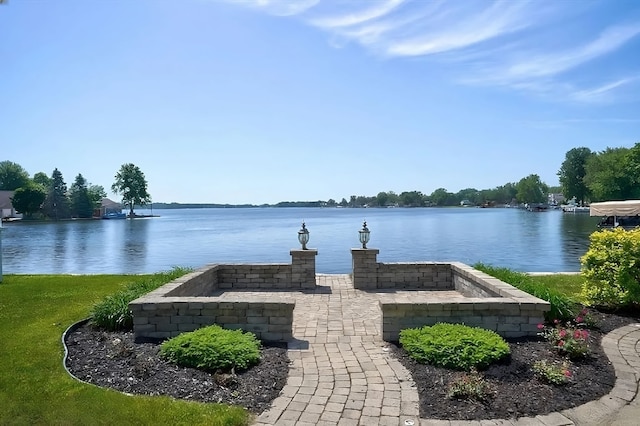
364 234
303 236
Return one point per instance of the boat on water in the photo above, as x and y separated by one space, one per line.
575 209
537 207
624 214
114 215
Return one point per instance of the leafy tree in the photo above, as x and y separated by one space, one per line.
470 194
12 176
572 174
28 199
441 197
344 202
96 194
606 176
81 203
632 171
131 183
382 199
56 205
531 189
42 179
412 199
331 202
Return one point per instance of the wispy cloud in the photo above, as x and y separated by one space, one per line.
497 20
279 7
489 43
603 92
546 64
358 17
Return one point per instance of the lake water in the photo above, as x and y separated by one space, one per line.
549 241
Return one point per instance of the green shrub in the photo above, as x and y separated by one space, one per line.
213 348
611 268
454 346
112 313
562 306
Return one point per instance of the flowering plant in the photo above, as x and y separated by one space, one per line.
569 338
552 373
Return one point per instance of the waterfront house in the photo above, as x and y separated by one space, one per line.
109 207
6 207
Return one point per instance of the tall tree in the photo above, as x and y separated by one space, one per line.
441 197
12 176
28 199
56 205
606 176
132 185
412 198
96 194
81 203
42 179
531 189
572 174
632 171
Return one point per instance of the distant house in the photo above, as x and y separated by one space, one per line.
555 199
6 207
108 207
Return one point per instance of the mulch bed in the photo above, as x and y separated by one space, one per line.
514 391
112 359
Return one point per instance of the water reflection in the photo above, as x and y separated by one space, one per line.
135 239
575 230
549 241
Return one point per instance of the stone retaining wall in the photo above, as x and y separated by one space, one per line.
416 276
509 318
490 303
189 302
158 318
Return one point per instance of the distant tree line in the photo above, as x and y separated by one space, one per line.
612 174
48 197
529 189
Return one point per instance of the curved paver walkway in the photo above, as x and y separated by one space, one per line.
342 374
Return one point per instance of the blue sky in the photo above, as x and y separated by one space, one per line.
260 101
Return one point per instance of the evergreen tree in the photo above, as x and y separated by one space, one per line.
81 203
56 205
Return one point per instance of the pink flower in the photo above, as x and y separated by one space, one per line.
567 373
561 343
540 326
584 312
556 321
562 333
579 319
577 334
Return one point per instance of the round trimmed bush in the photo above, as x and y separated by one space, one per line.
213 348
455 346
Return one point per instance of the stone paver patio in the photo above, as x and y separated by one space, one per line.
342 374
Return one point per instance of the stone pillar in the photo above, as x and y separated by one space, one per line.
365 268
303 268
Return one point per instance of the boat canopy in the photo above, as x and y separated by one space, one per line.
615 208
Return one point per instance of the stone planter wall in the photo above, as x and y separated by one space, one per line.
490 303
164 317
190 302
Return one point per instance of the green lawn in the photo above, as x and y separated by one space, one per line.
34 387
569 285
